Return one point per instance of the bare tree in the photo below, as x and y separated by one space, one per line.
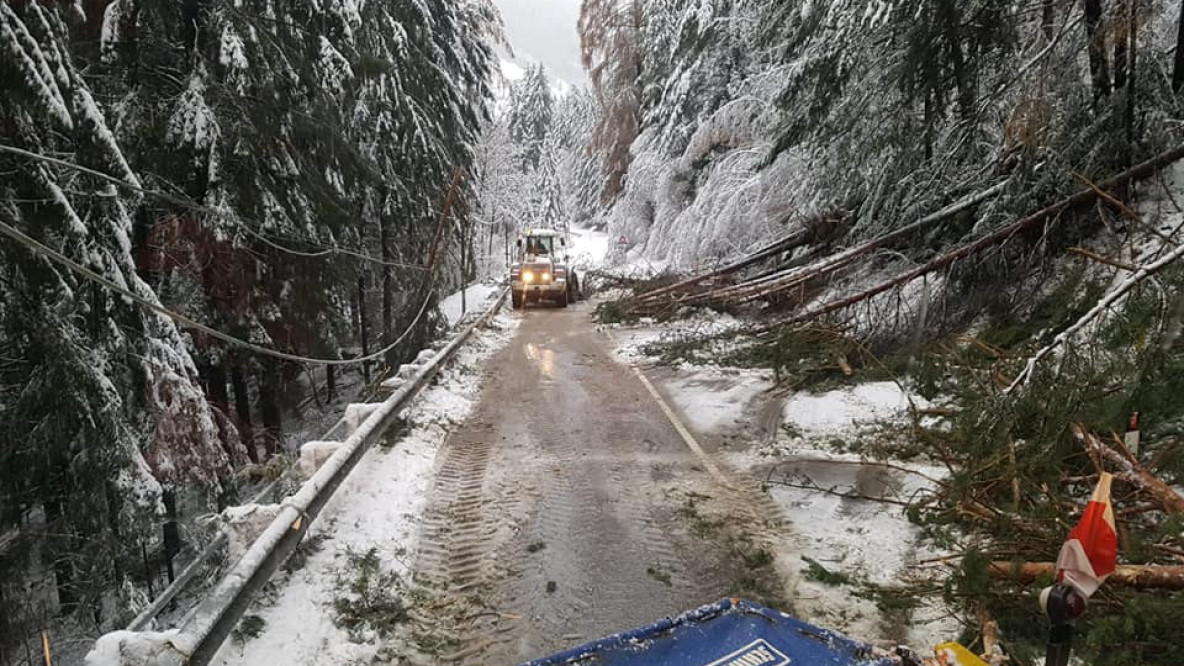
610 34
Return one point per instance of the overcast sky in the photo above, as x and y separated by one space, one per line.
545 31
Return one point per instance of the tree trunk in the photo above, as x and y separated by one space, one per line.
388 286
929 122
1149 576
213 375
1160 492
951 20
269 406
1131 88
63 572
1099 68
1121 42
331 383
1000 236
1048 19
242 406
364 325
1178 69
464 270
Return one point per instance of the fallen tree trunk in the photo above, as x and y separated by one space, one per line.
1164 577
794 240
614 280
789 279
1159 492
1084 197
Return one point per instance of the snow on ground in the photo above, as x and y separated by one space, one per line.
713 399
588 247
867 543
631 341
474 298
376 508
864 541
838 412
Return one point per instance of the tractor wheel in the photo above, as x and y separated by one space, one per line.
516 299
563 299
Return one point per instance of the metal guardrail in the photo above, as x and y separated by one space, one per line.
206 628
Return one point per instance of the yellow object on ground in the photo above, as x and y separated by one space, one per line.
953 654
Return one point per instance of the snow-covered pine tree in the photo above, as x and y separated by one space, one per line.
532 111
547 193
100 401
274 137
310 128
579 168
418 113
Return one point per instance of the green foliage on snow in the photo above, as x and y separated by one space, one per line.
370 597
251 626
819 574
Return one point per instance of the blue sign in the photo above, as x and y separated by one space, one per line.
727 633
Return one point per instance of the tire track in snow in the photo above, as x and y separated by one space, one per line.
558 513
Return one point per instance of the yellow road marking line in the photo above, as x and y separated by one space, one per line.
687 437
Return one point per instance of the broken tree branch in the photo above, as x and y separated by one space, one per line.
1110 199
1090 254
1161 493
1165 577
1108 300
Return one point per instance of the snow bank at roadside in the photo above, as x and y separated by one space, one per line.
865 544
839 522
376 508
474 297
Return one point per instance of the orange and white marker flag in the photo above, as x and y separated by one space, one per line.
1090 555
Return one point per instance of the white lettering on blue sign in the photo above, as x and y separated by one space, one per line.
756 653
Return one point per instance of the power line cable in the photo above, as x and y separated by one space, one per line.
182 320
209 210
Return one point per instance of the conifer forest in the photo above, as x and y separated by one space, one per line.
224 224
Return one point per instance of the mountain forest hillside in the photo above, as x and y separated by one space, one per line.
223 221
281 180
980 201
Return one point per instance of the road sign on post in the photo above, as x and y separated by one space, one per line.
622 241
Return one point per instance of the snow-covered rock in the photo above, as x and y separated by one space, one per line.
244 524
356 413
131 648
314 454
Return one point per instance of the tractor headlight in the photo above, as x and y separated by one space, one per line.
527 277
546 277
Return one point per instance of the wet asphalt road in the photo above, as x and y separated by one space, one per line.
568 507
